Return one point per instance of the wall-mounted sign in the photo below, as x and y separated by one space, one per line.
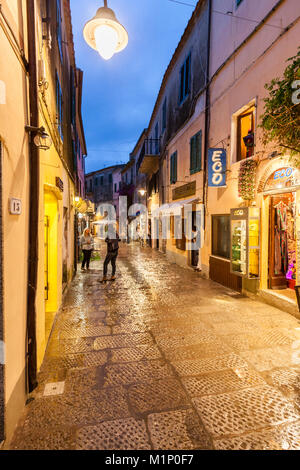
217 168
15 206
283 178
59 184
184 191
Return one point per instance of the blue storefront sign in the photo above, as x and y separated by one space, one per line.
217 168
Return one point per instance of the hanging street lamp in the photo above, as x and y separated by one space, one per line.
41 140
105 34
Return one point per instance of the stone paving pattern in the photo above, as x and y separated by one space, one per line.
163 359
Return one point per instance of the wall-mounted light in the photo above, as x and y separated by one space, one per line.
42 140
105 34
142 192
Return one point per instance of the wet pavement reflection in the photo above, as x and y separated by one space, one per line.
164 359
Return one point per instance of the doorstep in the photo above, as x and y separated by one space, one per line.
283 299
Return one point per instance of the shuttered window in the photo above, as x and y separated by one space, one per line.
164 115
196 153
59 28
59 107
185 79
173 168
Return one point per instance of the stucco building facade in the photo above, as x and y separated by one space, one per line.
211 100
40 83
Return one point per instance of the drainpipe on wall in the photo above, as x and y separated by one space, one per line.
33 204
207 110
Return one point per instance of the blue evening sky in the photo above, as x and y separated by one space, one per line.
119 95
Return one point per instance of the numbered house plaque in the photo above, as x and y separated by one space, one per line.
15 206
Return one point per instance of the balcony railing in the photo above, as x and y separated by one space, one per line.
151 148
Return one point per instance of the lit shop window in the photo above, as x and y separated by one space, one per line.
245 134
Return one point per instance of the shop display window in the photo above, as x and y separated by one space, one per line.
221 236
245 242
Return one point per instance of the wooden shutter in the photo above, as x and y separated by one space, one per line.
58 27
175 168
181 91
193 154
187 76
199 151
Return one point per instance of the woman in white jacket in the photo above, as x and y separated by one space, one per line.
87 245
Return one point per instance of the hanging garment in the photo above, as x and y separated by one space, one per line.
281 240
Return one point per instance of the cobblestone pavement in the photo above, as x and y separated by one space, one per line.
163 359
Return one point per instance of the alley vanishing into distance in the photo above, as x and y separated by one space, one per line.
163 359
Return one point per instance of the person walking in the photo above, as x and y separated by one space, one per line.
87 245
111 257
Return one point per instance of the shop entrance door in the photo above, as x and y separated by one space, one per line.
282 246
46 246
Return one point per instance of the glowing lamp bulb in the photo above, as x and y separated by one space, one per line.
106 39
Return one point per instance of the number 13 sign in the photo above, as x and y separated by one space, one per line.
15 206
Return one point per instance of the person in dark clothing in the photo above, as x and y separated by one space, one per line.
111 257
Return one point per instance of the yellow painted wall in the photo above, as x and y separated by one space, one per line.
52 203
15 183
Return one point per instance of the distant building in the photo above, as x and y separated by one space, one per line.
103 186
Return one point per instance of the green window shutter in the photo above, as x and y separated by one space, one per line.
196 153
173 168
193 154
199 151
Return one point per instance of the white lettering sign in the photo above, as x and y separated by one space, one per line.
217 167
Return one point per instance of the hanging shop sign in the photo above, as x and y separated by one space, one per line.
217 168
59 184
283 178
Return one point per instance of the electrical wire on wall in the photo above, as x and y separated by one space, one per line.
182 3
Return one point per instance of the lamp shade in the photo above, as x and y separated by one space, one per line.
105 34
42 140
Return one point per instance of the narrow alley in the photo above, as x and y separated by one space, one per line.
163 359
